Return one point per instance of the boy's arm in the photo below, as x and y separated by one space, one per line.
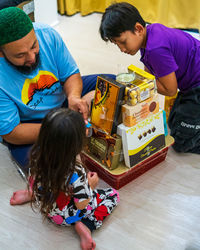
166 85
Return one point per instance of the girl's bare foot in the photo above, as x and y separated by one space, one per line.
87 243
20 197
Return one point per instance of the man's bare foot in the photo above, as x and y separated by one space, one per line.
87 243
20 197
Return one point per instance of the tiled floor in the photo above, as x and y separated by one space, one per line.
158 211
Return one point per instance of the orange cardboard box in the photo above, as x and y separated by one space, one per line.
131 115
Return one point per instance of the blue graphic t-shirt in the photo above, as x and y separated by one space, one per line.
25 97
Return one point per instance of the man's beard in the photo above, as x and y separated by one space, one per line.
25 69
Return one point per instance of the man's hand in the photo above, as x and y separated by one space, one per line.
78 104
93 179
73 89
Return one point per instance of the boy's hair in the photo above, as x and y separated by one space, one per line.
53 156
119 17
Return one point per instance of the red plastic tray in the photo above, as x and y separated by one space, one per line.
119 180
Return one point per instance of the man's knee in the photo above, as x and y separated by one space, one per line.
9 3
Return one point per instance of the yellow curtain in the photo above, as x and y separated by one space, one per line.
172 13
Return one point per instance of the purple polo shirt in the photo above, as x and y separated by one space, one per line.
171 50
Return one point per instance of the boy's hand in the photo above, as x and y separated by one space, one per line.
93 179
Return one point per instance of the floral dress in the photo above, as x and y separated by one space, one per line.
102 202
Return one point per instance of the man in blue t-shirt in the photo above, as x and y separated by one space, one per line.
173 56
37 73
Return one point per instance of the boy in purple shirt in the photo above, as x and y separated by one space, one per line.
173 56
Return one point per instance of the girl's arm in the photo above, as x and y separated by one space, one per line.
92 181
83 204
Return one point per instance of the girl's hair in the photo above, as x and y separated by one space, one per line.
118 18
53 156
